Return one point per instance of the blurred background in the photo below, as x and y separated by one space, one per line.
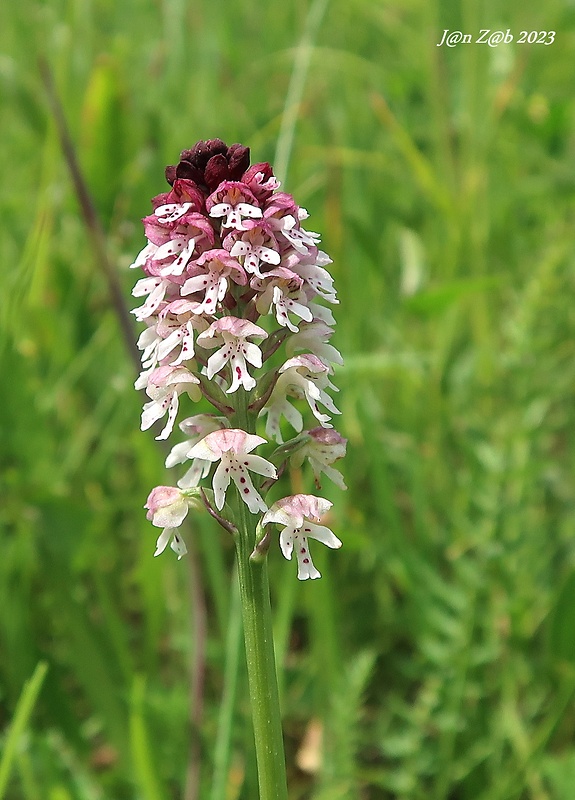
436 657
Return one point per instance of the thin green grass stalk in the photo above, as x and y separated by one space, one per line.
30 787
296 87
223 743
217 577
283 617
21 718
145 765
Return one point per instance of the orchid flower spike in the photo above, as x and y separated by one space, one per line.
235 299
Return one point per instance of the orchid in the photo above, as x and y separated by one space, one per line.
295 515
301 376
232 448
214 268
195 428
321 447
167 509
228 265
164 386
230 280
233 333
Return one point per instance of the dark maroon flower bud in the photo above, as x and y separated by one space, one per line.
201 152
216 171
239 160
210 162
187 171
171 174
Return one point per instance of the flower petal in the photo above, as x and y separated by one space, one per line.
163 540
322 534
220 483
178 545
260 465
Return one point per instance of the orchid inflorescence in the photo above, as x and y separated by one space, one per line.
231 277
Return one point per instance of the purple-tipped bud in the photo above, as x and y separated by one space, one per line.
209 163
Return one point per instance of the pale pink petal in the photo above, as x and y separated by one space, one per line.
232 440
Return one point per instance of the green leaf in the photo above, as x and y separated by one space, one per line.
561 636
21 718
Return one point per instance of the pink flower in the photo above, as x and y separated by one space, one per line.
234 201
232 448
261 180
295 513
213 268
193 232
167 509
224 249
233 334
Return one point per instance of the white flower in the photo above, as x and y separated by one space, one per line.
165 384
295 513
213 269
233 334
167 509
170 212
156 288
195 428
321 447
302 376
232 448
254 246
314 337
282 288
310 268
233 201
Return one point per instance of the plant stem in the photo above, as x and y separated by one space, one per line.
260 658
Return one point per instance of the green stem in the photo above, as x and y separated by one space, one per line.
260 658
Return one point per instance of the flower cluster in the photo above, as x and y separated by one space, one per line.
230 277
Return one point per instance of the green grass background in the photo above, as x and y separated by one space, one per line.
437 654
